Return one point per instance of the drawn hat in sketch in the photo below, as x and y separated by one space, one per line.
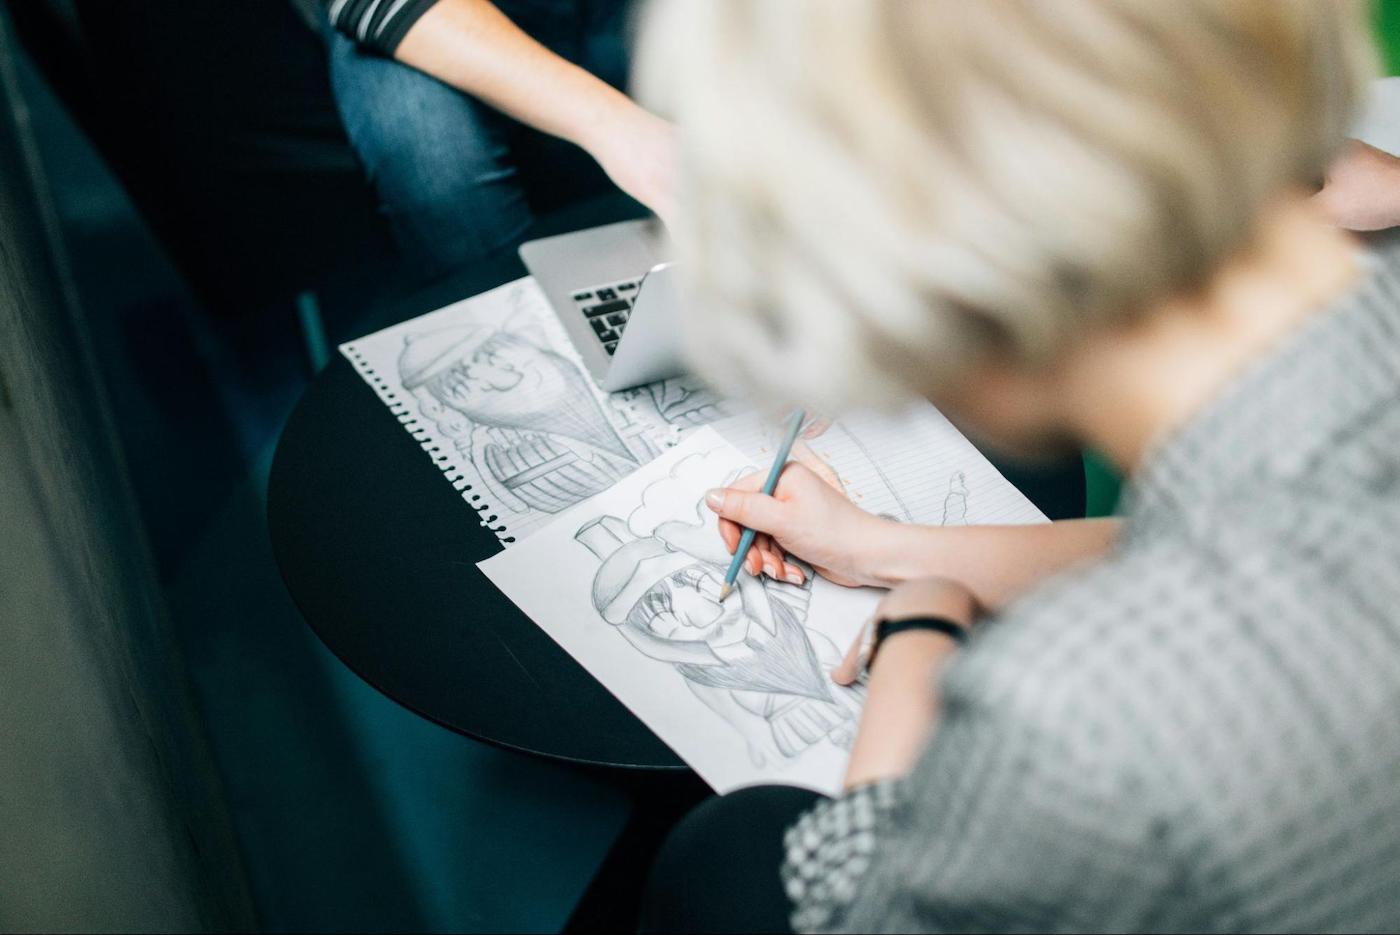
630 568
501 379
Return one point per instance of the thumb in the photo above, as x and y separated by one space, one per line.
755 511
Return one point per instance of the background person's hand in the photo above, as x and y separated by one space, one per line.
1362 192
806 518
640 153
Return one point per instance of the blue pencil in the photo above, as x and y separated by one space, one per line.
746 540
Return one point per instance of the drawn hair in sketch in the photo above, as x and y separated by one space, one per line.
522 413
750 659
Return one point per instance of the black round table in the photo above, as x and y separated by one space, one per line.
379 553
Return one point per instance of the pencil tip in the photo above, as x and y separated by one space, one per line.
724 592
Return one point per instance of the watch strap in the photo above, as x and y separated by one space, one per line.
885 629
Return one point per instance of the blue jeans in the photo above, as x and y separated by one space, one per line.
456 178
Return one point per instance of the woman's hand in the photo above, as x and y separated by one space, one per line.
807 518
901 703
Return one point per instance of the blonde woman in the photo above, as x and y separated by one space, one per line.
1085 222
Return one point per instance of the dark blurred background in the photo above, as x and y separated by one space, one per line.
185 231
202 196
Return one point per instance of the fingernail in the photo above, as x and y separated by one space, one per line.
794 578
769 570
714 499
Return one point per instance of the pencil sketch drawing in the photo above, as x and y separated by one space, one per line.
524 415
751 659
652 417
955 503
684 402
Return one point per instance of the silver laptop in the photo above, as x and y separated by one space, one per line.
614 290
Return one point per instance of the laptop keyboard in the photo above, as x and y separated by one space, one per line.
607 309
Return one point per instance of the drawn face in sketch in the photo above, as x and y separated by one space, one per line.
500 379
751 659
666 603
685 606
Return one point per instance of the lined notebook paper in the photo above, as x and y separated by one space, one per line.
912 466
496 396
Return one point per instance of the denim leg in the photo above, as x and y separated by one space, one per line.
440 161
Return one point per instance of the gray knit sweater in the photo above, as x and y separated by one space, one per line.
1201 733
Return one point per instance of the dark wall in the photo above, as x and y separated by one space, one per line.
111 813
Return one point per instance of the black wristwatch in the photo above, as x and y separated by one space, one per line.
884 629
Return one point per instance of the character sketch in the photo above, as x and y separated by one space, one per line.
750 659
684 402
524 415
955 503
655 415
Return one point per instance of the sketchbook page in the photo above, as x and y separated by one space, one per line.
740 689
913 466
497 397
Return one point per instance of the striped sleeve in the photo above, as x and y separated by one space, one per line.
376 24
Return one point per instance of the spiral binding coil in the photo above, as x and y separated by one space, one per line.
443 454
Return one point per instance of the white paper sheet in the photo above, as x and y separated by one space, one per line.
495 394
913 466
627 582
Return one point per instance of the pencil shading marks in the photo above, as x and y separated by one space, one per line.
955 503
494 392
683 402
656 415
523 415
751 659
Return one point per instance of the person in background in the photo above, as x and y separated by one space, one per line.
445 102
1069 224
450 103
1362 190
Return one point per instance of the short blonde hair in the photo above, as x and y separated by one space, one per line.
878 194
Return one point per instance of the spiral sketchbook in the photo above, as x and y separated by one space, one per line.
498 398
493 391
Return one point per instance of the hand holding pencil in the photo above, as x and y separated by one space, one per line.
805 517
746 538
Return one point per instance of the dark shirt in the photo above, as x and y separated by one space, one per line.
374 24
